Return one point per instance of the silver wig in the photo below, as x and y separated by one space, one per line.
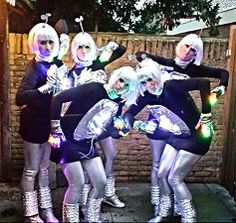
80 39
196 41
129 75
39 32
146 69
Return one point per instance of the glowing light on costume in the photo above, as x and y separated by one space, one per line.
206 130
112 94
55 142
62 161
118 123
148 127
213 99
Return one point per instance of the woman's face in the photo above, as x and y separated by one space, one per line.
186 52
45 47
121 87
151 85
83 52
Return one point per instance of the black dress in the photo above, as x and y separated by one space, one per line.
176 98
35 114
84 100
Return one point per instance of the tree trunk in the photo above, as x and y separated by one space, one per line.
4 96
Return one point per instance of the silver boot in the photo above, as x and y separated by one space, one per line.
188 213
155 197
84 197
177 209
165 209
94 210
70 213
45 204
110 197
30 206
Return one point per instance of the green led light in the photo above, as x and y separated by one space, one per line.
206 131
213 99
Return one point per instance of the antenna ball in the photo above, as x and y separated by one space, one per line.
80 19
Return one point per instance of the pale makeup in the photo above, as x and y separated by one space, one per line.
83 52
186 52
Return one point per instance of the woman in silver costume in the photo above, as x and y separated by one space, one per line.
34 95
90 64
186 64
89 119
174 151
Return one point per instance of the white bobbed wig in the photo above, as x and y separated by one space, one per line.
39 32
129 75
196 42
83 39
146 69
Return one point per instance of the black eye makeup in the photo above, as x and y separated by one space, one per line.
192 49
126 85
147 80
43 42
121 80
82 46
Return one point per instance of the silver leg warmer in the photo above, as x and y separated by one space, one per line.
166 202
177 209
155 198
84 194
45 204
30 206
94 210
165 209
188 213
70 212
84 198
110 197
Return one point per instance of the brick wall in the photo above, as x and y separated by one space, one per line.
133 161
